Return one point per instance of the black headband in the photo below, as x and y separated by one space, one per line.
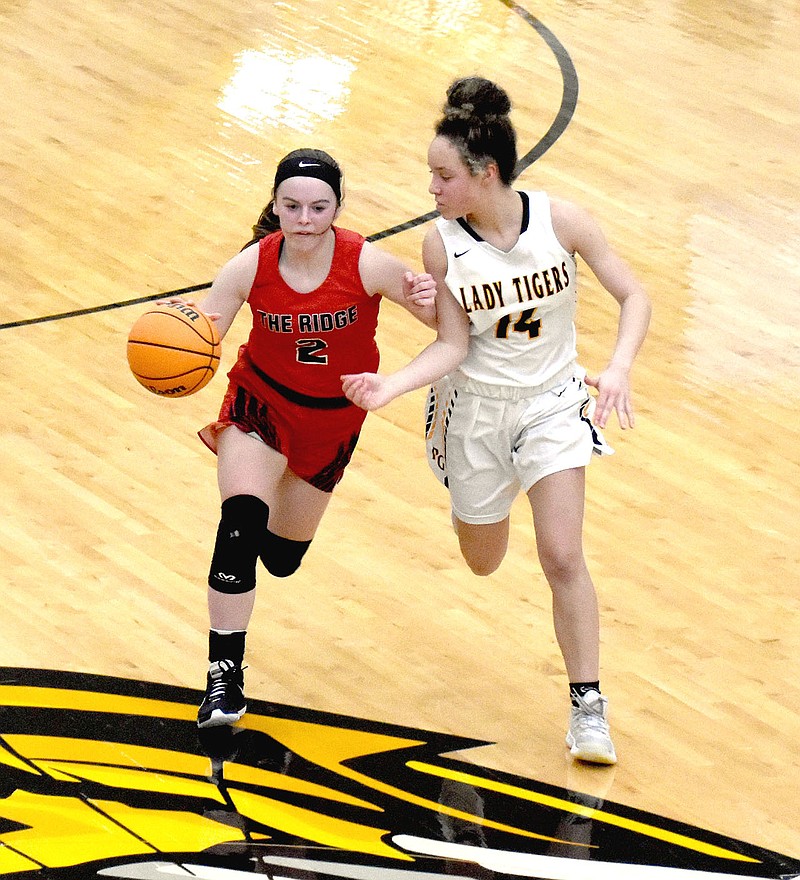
304 166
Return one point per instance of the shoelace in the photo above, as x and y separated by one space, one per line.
590 717
217 691
221 677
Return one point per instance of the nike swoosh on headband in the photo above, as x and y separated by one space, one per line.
308 165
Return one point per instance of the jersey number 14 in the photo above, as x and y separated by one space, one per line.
527 322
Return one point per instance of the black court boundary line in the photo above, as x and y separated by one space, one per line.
569 101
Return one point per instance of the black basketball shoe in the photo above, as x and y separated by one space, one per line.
224 701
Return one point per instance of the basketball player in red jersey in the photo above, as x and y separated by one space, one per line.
286 432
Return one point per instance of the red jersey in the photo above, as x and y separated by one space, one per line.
305 342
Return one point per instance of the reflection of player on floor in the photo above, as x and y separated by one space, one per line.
285 432
520 416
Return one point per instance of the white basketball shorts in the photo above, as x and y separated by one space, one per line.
495 448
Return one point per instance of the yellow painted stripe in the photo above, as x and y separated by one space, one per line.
171 831
90 701
41 747
129 778
12 862
63 831
13 761
570 807
52 753
313 825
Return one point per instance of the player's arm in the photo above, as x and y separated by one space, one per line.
230 289
580 233
444 354
385 274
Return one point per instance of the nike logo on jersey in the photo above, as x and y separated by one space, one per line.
308 165
462 253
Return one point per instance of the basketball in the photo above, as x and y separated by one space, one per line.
173 350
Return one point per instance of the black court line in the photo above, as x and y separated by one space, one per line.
569 101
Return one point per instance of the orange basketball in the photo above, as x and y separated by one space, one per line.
173 350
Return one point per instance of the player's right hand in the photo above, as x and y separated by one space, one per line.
213 316
367 390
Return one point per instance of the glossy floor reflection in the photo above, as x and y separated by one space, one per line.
111 777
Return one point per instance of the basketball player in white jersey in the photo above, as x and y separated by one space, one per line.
517 411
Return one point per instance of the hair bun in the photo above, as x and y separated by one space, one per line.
474 97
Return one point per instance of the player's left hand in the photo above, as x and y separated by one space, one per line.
419 289
613 393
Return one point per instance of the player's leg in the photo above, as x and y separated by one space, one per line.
557 503
323 443
299 508
481 479
483 545
248 472
296 513
268 512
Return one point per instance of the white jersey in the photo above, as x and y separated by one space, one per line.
521 304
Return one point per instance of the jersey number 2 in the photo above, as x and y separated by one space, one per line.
311 351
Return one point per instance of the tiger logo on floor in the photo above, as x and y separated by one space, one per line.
108 777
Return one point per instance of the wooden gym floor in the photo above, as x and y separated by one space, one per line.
138 149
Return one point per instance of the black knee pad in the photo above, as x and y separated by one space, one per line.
241 531
282 556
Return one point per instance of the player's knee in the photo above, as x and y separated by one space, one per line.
562 564
482 555
481 565
282 556
240 535
482 560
